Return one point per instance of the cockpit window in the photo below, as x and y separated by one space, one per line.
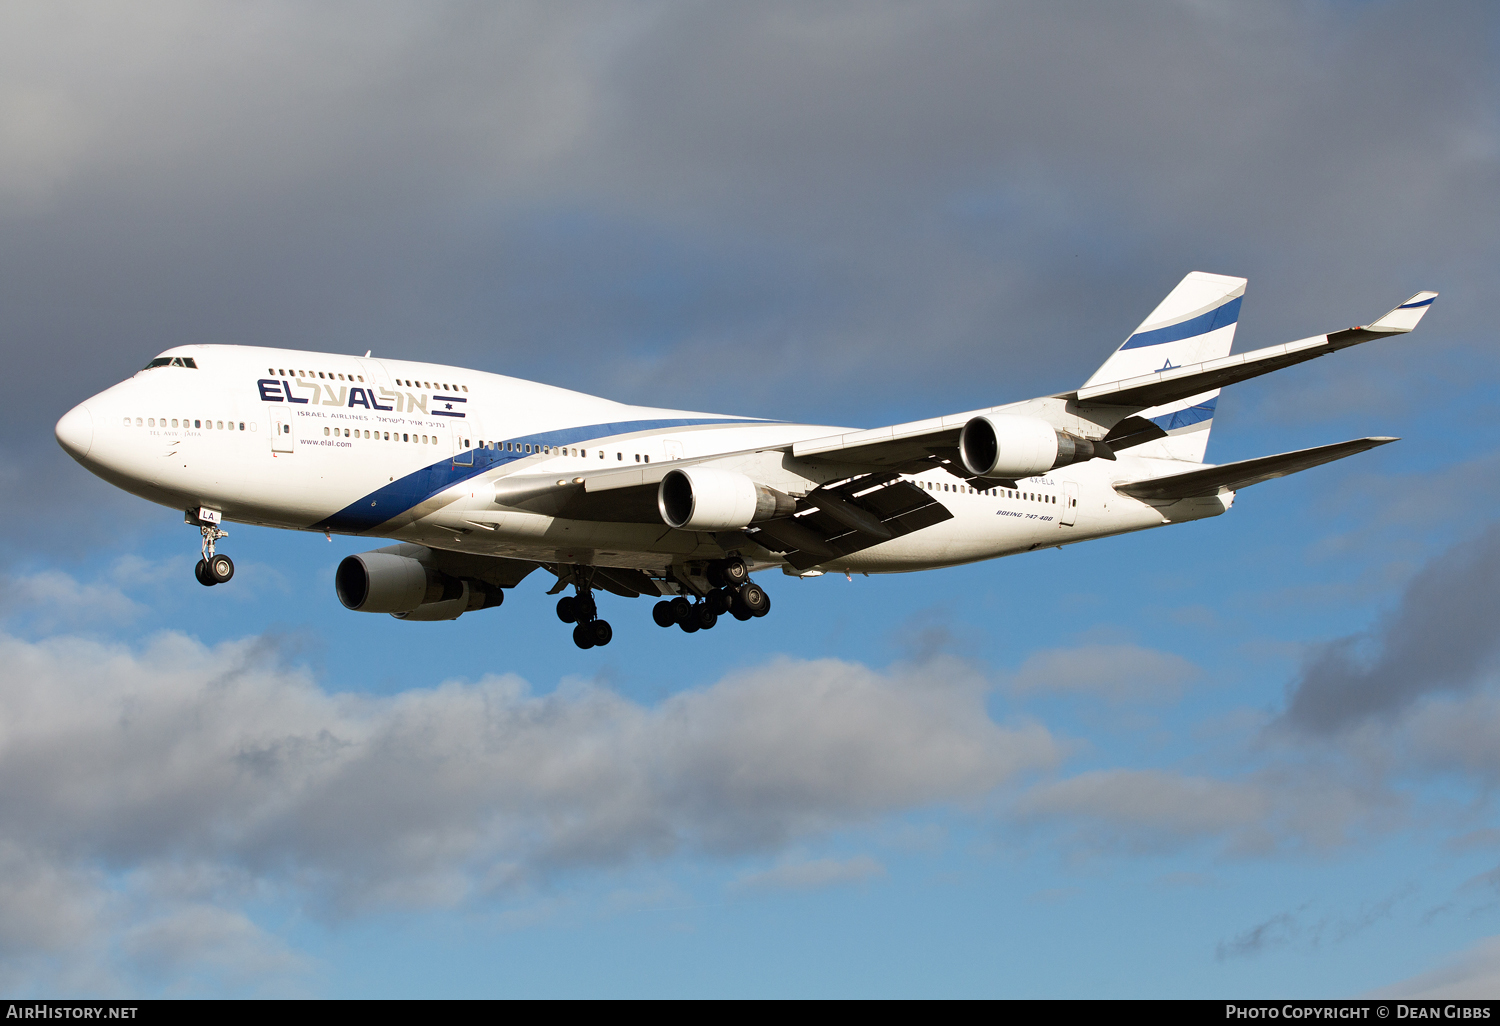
160 361
173 361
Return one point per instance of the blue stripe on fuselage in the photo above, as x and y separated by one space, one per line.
1218 317
401 495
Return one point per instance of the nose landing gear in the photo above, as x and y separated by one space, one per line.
213 568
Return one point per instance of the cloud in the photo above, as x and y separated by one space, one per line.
1439 639
222 759
812 875
1279 930
1117 673
1152 810
52 598
205 949
1472 974
629 199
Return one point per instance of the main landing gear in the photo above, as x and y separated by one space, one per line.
582 610
734 593
213 568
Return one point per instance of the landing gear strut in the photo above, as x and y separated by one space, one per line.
734 593
581 610
213 568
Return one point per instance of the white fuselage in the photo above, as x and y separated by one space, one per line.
413 452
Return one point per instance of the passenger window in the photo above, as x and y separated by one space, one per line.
221 425
174 421
137 422
151 422
466 388
127 421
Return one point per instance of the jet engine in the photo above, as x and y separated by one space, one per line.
707 499
1011 447
408 589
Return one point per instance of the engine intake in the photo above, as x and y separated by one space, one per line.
1012 447
707 499
408 589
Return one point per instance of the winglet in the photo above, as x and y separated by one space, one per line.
1405 316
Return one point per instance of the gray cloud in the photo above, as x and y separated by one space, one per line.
811 874
183 754
631 199
1472 974
1117 673
1153 810
1277 931
1440 639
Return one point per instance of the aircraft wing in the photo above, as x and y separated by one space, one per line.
1167 386
835 519
923 444
1233 476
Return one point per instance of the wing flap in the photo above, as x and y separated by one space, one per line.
1234 476
817 535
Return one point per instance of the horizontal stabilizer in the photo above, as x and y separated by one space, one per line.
1234 476
1171 384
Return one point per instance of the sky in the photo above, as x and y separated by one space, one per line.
1249 756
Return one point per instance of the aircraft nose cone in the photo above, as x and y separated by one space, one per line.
75 432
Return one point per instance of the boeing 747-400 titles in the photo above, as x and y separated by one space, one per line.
489 478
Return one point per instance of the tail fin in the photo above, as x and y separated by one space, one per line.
1193 324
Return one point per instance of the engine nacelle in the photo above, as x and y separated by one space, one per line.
1012 447
707 499
408 589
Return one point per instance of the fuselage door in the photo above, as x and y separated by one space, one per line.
1070 504
465 438
281 429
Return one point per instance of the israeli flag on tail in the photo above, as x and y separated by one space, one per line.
1194 323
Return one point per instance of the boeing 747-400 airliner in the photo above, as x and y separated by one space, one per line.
489 478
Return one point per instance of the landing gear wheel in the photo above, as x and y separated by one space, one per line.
567 609
735 572
219 568
583 636
718 601
690 625
201 572
602 632
663 615
682 610
755 600
706 617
